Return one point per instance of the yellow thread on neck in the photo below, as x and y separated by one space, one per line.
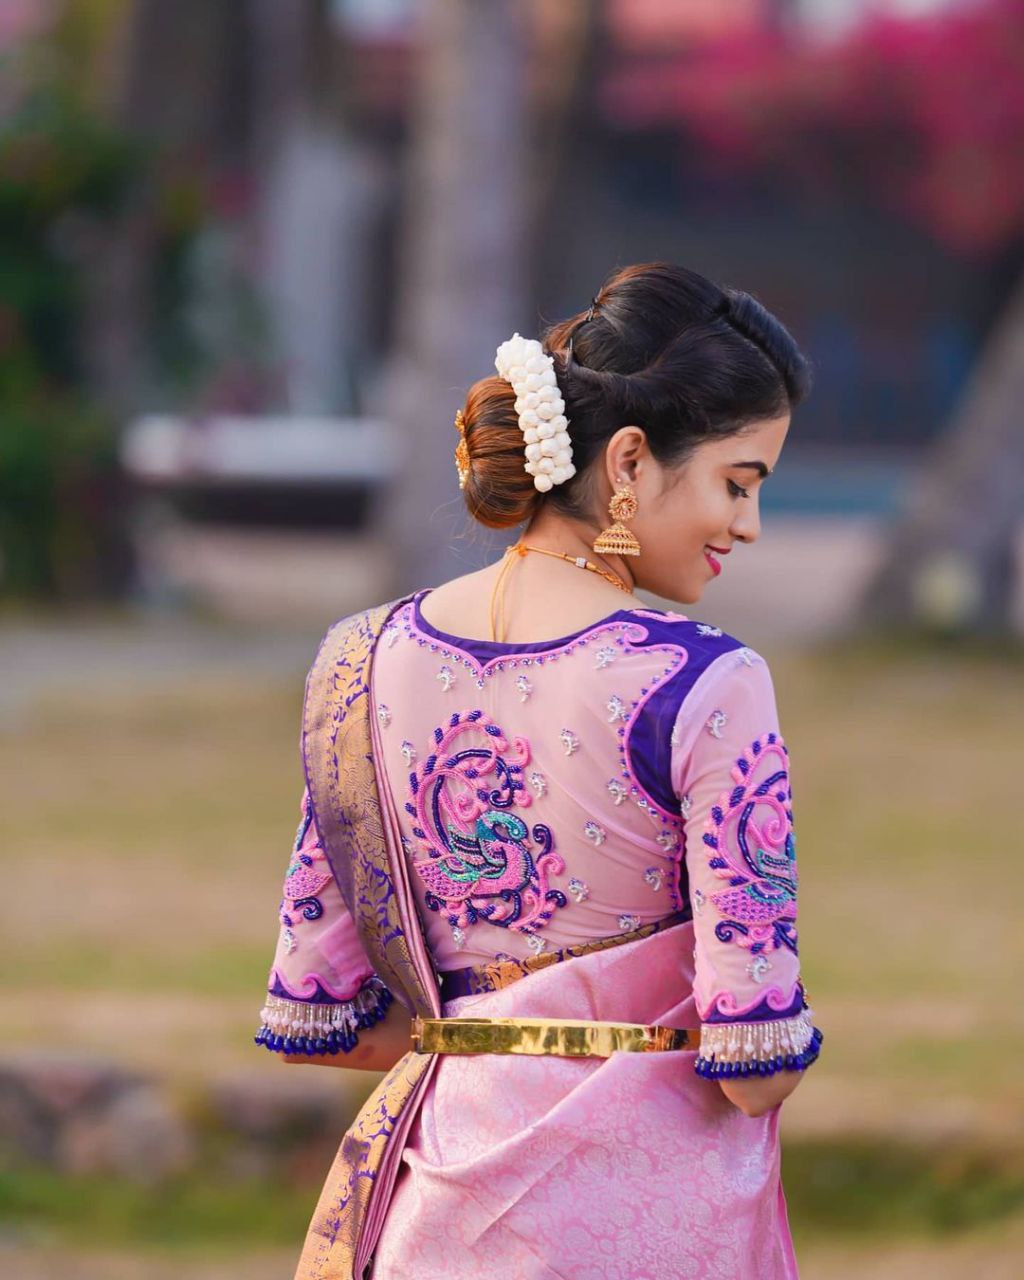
497 609
520 549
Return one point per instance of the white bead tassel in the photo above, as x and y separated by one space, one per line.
296 1018
756 1041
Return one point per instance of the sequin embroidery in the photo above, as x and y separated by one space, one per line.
605 656
579 890
758 967
617 709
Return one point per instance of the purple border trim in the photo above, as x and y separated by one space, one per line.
772 1006
484 650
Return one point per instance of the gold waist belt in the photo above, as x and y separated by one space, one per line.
564 1038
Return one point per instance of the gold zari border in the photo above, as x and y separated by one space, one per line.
496 975
565 1038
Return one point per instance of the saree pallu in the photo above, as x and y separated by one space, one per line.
356 821
508 1166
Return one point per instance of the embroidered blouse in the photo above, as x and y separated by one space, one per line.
562 791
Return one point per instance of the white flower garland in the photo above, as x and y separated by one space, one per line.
541 409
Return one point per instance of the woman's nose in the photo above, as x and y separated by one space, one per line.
746 525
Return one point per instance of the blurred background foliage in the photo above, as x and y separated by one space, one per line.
253 209
64 173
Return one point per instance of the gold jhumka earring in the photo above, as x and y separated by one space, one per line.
617 540
461 450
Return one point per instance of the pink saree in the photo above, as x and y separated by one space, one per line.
471 802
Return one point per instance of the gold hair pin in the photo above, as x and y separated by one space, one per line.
461 450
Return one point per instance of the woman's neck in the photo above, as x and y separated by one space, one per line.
554 532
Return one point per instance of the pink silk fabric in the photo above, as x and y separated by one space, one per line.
554 794
588 1169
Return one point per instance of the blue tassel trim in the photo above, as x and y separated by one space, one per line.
712 1069
323 1028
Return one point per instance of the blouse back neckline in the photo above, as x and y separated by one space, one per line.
490 648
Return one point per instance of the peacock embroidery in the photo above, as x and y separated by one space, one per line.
750 834
483 861
307 876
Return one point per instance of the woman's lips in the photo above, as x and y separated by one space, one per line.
716 568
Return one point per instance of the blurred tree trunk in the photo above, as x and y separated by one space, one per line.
322 194
461 289
950 559
179 84
563 120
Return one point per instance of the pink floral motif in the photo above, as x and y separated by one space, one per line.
302 881
480 863
307 876
750 833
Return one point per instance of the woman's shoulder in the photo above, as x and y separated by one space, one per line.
705 640
356 633
717 663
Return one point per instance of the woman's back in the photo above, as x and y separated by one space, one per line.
557 792
531 819
549 795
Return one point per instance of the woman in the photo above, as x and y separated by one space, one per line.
554 825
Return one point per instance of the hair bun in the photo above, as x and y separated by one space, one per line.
660 347
499 491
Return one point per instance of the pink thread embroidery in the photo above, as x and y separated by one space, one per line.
480 864
303 880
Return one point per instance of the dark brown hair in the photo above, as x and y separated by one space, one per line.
662 348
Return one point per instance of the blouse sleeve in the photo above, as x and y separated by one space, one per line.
730 770
322 989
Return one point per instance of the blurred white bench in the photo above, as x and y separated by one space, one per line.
260 517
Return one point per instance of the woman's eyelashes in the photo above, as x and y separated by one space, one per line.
737 490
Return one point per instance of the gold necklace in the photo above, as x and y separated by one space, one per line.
521 548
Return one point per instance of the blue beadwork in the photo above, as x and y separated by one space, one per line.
711 1069
340 1041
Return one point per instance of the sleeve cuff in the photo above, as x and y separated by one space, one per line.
299 1027
757 1048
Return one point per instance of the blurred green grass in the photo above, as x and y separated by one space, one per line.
192 1212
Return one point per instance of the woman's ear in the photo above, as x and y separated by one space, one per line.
624 453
